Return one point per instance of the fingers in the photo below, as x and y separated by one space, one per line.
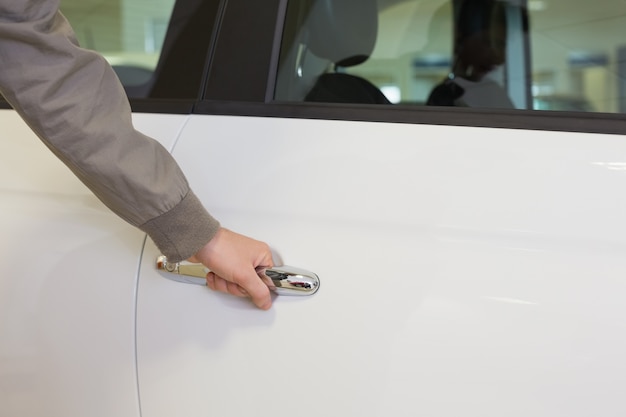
233 258
251 286
217 283
256 290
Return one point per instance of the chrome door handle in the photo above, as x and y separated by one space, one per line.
283 280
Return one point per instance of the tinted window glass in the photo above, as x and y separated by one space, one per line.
540 54
579 55
157 47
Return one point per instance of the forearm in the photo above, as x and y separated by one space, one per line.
73 101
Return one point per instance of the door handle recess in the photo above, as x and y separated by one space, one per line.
283 280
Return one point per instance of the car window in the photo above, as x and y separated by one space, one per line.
540 54
157 47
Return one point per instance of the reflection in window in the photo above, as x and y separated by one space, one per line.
480 64
152 57
537 54
324 42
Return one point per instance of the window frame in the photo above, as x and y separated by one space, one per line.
225 94
263 104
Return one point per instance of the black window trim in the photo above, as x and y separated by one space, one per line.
605 123
169 106
276 44
242 58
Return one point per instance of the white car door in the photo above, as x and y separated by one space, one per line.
469 271
464 270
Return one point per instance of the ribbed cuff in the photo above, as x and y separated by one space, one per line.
182 231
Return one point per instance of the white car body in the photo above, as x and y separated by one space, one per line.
460 268
468 267
68 285
465 270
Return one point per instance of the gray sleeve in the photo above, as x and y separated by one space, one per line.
72 99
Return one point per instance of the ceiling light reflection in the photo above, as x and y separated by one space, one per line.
613 166
537 5
511 300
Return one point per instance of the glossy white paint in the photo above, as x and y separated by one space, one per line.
67 286
465 271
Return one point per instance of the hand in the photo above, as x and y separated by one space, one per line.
232 259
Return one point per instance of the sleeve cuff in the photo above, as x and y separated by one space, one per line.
183 230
